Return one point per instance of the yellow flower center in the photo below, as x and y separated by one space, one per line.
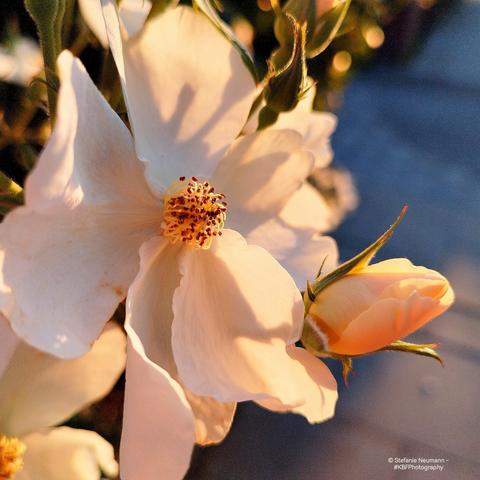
193 213
11 456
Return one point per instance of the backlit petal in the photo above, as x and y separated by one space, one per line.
149 317
259 174
72 250
170 71
234 313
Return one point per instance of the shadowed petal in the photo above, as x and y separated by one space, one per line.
38 390
234 313
158 425
259 174
170 71
149 317
132 12
72 250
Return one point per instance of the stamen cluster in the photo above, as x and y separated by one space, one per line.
11 456
193 213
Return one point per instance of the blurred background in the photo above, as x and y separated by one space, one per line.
403 78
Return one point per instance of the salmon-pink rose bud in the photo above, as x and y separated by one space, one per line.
378 304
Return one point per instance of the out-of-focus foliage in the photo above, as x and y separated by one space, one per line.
389 29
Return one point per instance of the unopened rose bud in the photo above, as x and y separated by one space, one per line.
376 305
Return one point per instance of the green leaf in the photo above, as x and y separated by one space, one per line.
354 264
425 349
207 8
326 29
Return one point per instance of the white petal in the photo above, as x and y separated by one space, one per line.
149 317
67 453
306 208
72 250
258 175
234 312
132 12
158 425
187 89
299 251
316 128
317 385
91 11
38 390
8 343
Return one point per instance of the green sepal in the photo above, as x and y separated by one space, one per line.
287 72
266 117
302 10
354 264
11 194
424 349
326 29
207 8
159 6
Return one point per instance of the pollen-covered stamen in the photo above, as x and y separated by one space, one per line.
11 456
193 212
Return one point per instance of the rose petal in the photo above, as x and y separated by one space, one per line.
89 209
234 312
170 71
66 452
316 128
259 174
384 302
149 317
384 322
158 425
132 12
306 208
38 390
299 251
317 384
